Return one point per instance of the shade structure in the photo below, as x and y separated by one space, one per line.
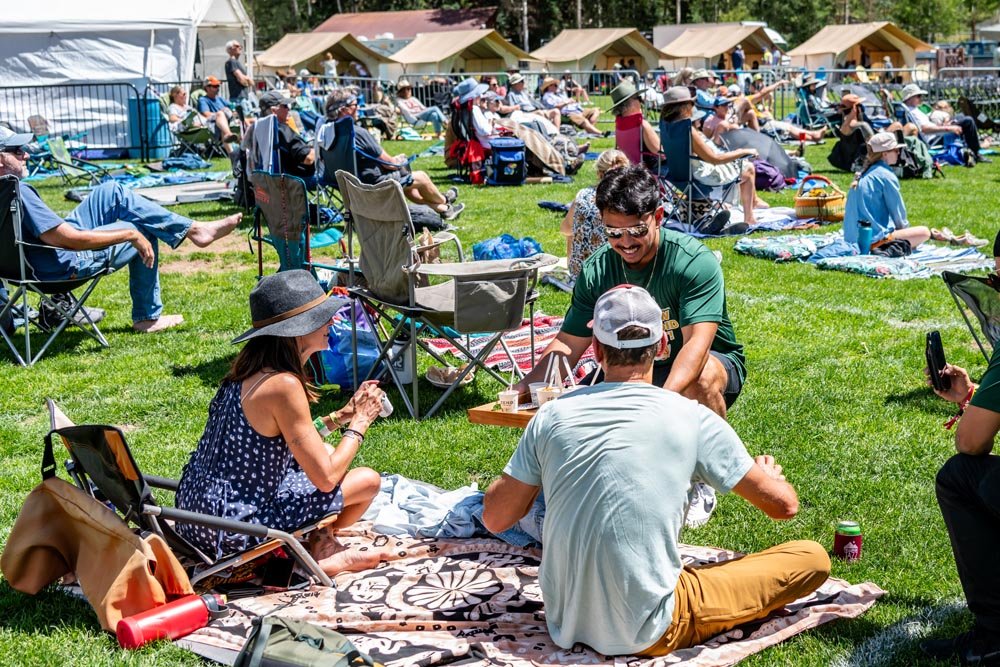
298 50
408 24
467 50
598 49
703 45
837 44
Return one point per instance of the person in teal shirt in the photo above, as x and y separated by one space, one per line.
875 197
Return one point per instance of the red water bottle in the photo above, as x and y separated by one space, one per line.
170 621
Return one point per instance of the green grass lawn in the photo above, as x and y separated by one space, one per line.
834 391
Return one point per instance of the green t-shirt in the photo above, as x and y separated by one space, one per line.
688 286
988 394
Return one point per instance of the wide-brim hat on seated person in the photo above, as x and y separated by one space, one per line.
701 73
850 100
287 304
403 83
677 95
623 92
547 83
515 78
468 89
721 102
883 142
9 139
810 80
911 90
698 114
273 98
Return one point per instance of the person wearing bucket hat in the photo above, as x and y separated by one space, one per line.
375 165
963 126
874 197
704 83
966 487
414 111
627 109
114 227
262 457
584 119
519 99
711 165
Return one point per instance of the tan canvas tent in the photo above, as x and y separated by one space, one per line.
454 50
598 48
701 46
299 50
838 44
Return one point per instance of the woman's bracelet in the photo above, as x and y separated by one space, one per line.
350 432
321 427
961 408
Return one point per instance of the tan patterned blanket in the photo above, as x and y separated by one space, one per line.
477 602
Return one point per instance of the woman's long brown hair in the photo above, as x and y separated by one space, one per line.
274 353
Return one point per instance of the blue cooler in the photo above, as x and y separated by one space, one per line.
152 129
506 164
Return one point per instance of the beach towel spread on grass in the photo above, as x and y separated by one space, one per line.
478 602
774 219
517 341
829 251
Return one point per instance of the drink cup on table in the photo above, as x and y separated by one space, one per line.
548 393
508 400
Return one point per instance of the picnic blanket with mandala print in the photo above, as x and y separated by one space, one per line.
478 602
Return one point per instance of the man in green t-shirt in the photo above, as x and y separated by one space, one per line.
968 493
702 360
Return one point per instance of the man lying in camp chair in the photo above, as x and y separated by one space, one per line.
112 226
375 165
963 126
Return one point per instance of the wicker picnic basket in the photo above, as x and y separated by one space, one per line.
825 203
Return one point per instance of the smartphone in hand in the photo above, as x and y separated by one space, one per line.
934 351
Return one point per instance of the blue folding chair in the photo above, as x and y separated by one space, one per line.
675 140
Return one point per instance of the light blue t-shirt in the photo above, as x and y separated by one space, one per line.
876 199
616 461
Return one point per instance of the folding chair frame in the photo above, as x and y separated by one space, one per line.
688 187
964 306
24 283
133 498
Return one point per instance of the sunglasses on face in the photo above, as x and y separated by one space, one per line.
636 232
15 150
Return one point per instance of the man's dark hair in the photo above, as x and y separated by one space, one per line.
635 356
630 190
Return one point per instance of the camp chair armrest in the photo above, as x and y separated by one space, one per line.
488 267
252 529
162 482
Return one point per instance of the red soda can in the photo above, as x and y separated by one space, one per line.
169 621
847 541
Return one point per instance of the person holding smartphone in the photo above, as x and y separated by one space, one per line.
968 493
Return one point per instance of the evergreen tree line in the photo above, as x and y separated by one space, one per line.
797 20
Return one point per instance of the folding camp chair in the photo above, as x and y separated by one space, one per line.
192 135
675 141
101 464
806 117
18 276
465 154
977 295
282 204
486 297
72 169
628 137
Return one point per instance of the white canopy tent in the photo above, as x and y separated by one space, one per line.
46 44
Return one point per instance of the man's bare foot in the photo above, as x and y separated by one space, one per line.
163 322
205 233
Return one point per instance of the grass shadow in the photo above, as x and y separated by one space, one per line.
209 372
922 398
48 610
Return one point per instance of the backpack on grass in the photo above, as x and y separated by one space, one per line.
285 642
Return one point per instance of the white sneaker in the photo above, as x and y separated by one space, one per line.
701 504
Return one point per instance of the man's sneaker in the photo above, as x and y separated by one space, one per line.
971 648
450 195
49 318
453 211
701 504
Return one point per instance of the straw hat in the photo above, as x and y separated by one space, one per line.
289 304
911 90
403 83
515 78
547 82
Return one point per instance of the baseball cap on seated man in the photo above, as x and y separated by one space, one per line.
9 140
212 81
273 98
625 306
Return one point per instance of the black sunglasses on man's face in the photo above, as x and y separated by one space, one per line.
16 150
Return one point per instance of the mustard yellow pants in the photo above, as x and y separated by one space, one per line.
712 599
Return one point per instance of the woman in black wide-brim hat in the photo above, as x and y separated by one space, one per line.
262 458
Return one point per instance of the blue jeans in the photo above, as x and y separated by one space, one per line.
110 206
434 116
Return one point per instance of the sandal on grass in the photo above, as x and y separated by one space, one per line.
968 239
943 234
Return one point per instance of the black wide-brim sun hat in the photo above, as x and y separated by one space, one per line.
289 304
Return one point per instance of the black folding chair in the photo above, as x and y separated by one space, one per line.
18 276
102 465
675 139
977 296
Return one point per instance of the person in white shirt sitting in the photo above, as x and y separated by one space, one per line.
963 126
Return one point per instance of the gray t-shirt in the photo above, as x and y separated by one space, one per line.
616 461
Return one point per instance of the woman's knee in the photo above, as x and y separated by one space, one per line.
361 485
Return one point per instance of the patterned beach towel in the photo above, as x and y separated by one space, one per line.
519 344
478 602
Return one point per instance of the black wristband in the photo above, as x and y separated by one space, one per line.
358 434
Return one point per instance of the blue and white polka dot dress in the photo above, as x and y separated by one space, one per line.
236 473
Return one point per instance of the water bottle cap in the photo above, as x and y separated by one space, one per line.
864 223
